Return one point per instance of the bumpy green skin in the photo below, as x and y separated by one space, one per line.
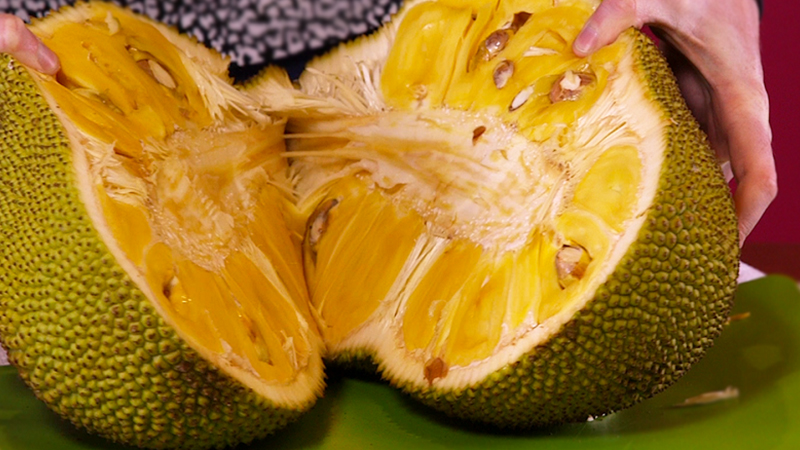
359 361
655 316
81 334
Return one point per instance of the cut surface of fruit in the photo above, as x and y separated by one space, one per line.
508 185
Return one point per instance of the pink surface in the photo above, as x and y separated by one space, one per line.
780 44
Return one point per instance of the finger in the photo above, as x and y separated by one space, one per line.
19 42
755 190
610 19
753 164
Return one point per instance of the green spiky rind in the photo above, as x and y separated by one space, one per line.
358 360
82 335
657 313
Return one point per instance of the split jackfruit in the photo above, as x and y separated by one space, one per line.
514 235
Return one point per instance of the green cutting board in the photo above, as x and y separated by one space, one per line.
759 355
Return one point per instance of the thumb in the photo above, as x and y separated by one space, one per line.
745 117
19 42
610 19
756 178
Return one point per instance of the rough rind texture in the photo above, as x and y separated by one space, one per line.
654 317
81 334
363 361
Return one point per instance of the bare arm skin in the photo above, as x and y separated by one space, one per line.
713 47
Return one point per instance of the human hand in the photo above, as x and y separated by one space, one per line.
713 48
24 46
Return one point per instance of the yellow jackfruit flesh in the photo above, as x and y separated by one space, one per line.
513 234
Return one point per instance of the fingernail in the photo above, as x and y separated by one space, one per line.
48 61
585 41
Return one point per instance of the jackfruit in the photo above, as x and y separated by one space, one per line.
511 234
150 289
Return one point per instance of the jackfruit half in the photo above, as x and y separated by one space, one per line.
150 284
512 234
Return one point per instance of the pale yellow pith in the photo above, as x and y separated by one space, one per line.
495 209
188 178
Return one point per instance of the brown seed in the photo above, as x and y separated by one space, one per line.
169 287
318 224
498 40
491 47
496 43
502 73
477 133
571 264
520 19
144 66
570 86
435 368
